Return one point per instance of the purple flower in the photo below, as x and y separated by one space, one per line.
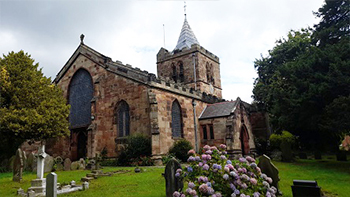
188 190
250 159
266 184
189 169
200 164
232 173
177 174
190 159
253 165
193 193
179 170
206 147
176 194
209 152
225 176
218 194
209 184
224 152
191 185
242 160
244 186
230 166
203 188
206 167
245 177
229 162
237 191
232 186
182 195
223 157
268 179
197 158
268 194
256 194
253 181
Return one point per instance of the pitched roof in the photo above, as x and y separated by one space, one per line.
187 37
218 110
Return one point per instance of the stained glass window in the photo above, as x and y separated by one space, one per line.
80 95
123 119
176 120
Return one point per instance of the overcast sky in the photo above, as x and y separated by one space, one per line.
237 31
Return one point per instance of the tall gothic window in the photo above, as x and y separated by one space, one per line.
176 119
181 75
123 119
79 97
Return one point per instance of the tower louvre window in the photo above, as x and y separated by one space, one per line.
181 75
174 76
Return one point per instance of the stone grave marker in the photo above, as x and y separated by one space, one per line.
287 154
301 188
38 184
268 168
51 185
48 163
171 182
74 165
59 163
18 164
30 162
82 164
67 164
91 165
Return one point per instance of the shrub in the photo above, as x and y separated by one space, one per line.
180 149
277 139
167 158
212 174
137 146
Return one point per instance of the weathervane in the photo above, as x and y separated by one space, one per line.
185 8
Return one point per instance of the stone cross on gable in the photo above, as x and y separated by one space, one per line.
40 162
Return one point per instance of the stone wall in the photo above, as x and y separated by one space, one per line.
219 127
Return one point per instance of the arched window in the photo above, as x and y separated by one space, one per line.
174 72
123 119
176 119
79 97
181 75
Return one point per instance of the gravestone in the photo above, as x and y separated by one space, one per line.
82 164
91 165
48 163
74 165
67 164
268 168
301 188
30 162
18 164
59 163
172 183
38 184
51 185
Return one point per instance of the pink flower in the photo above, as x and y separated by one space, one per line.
209 152
213 148
203 188
176 194
191 152
269 180
206 147
250 159
222 146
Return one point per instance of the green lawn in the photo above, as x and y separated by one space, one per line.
332 176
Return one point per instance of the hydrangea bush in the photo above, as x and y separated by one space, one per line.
213 174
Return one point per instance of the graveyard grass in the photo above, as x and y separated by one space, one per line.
332 176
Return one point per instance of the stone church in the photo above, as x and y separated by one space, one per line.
111 101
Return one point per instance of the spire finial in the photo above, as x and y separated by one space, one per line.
82 38
185 8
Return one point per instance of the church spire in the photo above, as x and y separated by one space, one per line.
187 37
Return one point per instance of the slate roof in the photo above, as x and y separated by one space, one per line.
187 37
218 110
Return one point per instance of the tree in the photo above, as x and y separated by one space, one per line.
303 76
31 107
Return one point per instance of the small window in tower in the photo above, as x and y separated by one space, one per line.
212 73
174 76
181 75
211 129
205 135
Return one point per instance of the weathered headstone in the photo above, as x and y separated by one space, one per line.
82 164
91 165
30 162
18 164
268 168
172 183
51 185
48 163
67 164
59 163
301 188
74 165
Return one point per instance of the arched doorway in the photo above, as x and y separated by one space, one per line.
244 137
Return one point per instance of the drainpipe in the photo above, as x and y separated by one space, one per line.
194 103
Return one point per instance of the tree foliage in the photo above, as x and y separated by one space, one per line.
306 77
31 107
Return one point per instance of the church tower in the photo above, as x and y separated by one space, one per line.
190 64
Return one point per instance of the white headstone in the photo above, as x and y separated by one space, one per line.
40 162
